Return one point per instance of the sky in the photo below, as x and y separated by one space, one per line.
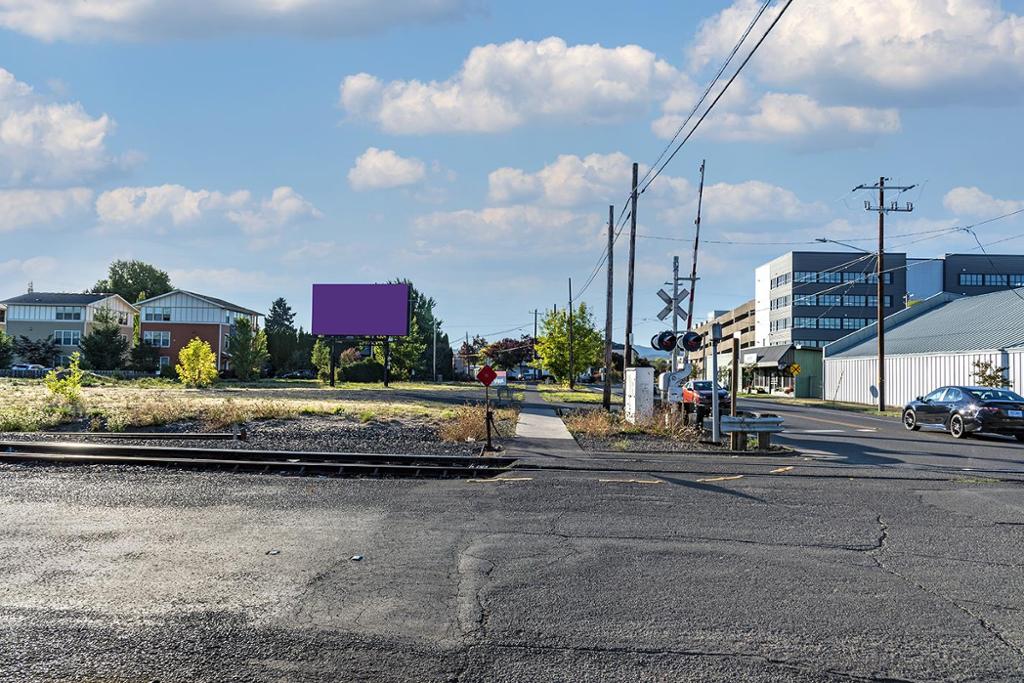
254 147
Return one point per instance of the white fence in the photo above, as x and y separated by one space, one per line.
855 380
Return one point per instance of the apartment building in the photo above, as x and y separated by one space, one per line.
737 323
66 317
811 298
170 321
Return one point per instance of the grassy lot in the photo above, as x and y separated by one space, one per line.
26 405
558 393
821 403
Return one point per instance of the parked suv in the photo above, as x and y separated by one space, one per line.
697 398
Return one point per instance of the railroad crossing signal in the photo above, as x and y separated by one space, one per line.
670 304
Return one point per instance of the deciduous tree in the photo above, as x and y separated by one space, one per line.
134 280
197 365
509 353
989 374
553 343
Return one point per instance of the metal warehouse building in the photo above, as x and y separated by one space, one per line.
931 344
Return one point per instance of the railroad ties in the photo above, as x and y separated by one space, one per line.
238 460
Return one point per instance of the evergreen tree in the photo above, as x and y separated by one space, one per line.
281 317
105 348
38 352
144 357
6 350
406 353
247 349
320 357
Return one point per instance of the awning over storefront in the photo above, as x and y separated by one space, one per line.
775 357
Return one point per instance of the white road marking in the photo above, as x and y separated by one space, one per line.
816 431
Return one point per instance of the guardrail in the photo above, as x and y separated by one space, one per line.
741 425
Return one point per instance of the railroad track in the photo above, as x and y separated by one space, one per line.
238 460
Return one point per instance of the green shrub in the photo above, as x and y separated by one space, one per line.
198 366
362 371
66 385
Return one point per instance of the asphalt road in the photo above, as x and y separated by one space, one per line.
846 437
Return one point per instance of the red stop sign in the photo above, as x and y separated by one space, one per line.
486 375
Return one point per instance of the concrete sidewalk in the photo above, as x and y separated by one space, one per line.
540 432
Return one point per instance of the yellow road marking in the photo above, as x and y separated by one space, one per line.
631 481
780 470
735 476
498 479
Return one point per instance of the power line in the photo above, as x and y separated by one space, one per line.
718 97
971 232
709 88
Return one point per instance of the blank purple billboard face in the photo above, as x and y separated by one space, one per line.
361 310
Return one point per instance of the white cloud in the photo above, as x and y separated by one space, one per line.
571 181
508 230
158 19
285 206
378 169
30 268
20 208
797 119
972 201
44 142
746 202
310 251
910 51
503 86
163 204
225 280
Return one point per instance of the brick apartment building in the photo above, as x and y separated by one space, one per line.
170 321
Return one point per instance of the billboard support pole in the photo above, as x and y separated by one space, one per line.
387 360
334 356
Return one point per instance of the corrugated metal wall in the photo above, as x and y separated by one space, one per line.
909 376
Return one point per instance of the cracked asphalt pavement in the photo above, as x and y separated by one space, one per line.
842 563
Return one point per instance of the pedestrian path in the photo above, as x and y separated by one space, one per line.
540 431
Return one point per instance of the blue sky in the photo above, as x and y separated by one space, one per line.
253 148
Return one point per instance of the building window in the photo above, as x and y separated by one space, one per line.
873 301
806 323
159 339
854 323
781 302
970 279
69 313
873 278
804 300
829 323
854 300
829 299
1015 281
805 276
165 361
854 277
830 277
122 318
67 337
150 314
996 280
780 280
3 314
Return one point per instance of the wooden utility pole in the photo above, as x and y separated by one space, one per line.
606 401
572 360
696 244
882 209
627 360
435 349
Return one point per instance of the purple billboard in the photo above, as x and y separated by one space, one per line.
361 310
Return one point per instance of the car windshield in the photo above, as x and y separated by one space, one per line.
996 395
704 385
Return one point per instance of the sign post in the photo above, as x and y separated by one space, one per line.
485 377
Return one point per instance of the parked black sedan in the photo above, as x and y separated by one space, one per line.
965 410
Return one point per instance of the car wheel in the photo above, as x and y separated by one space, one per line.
910 420
956 427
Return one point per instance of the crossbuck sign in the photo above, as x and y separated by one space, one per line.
670 304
